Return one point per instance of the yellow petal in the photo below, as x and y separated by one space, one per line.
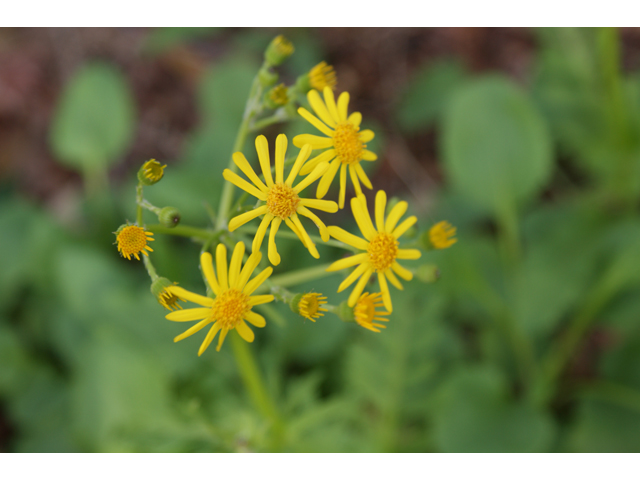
361 214
393 279
246 217
262 229
354 180
255 319
355 119
323 205
401 271
302 157
357 290
360 270
310 245
366 136
257 281
221 266
325 181
312 177
210 336
404 226
313 120
348 262
368 156
343 185
408 254
381 205
343 106
236 264
206 263
241 162
281 150
320 108
348 238
195 328
189 315
223 335
189 296
384 289
322 228
243 184
260 299
330 101
262 147
249 267
362 175
245 332
315 141
394 216
272 250
325 156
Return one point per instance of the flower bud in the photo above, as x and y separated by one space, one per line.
345 313
169 217
165 298
277 97
278 50
428 273
308 305
151 172
320 76
440 236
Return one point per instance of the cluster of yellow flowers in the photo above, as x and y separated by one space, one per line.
341 147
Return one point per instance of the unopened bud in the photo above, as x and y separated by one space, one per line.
169 217
278 50
428 273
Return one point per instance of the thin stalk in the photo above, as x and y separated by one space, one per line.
139 198
150 268
252 379
183 231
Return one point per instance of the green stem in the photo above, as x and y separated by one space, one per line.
251 109
255 386
298 276
150 268
152 208
139 198
183 231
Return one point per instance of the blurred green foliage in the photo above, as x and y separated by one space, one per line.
529 342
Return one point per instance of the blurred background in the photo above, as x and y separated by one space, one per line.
527 140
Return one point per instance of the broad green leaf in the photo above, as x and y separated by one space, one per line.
475 413
428 93
94 121
496 146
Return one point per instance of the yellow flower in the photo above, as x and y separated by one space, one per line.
322 75
380 248
165 298
132 240
442 234
151 172
365 311
310 306
233 301
281 200
346 143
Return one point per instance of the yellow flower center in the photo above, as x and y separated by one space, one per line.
346 141
442 234
132 240
364 311
322 75
309 306
153 170
229 307
383 250
282 201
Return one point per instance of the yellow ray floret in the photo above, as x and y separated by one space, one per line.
442 235
232 304
380 245
347 145
132 240
310 306
366 311
282 201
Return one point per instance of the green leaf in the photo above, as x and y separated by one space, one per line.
497 149
94 121
476 414
428 93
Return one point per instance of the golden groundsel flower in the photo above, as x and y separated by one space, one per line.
310 306
322 75
233 302
132 240
165 298
365 311
281 198
346 143
151 172
442 234
380 247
